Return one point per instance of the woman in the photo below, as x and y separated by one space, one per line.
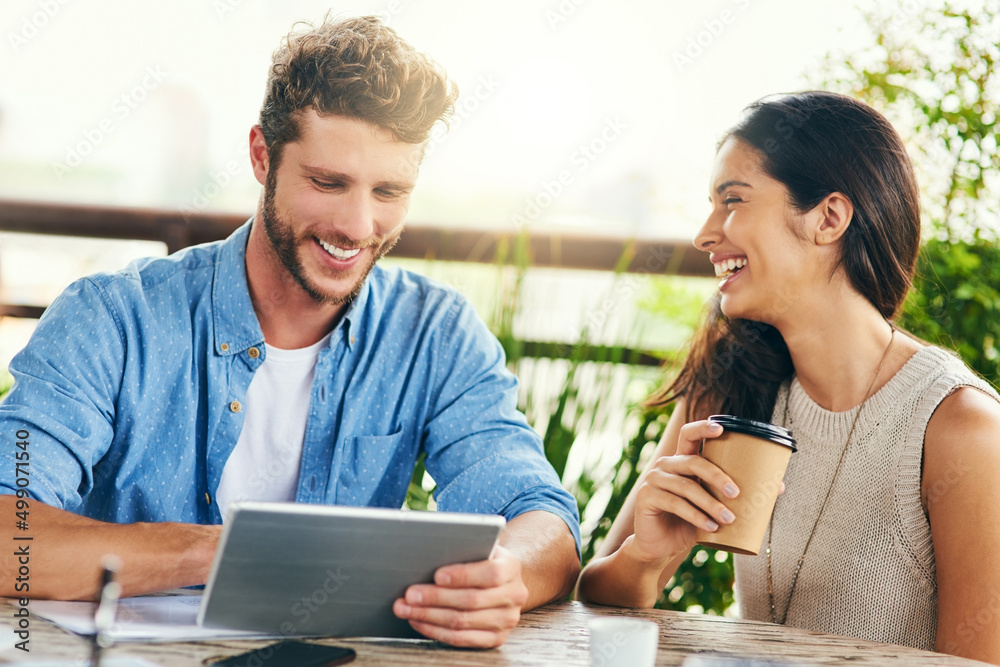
889 525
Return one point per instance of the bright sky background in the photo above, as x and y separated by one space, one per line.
539 78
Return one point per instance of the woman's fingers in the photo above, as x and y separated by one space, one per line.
667 492
693 433
700 468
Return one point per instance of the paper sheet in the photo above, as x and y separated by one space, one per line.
162 618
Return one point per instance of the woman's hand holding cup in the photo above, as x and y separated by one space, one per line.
671 503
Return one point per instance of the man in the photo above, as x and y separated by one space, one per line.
283 364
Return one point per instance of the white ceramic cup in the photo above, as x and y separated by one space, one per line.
623 642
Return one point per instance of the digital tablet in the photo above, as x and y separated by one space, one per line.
317 570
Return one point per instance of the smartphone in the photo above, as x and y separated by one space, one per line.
290 654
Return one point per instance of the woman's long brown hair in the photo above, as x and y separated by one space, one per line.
814 143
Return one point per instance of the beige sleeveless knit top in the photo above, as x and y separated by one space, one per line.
870 570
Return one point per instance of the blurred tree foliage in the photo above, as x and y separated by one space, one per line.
933 71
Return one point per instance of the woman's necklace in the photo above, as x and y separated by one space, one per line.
833 482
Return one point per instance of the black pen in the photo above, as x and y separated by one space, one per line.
107 608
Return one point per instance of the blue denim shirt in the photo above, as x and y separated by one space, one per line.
131 390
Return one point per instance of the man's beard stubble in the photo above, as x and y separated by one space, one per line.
286 247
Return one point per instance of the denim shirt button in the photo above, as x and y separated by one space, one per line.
235 406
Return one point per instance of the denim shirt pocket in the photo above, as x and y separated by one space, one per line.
373 469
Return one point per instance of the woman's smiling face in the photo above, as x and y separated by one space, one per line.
750 236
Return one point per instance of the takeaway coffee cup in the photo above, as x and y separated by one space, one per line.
755 455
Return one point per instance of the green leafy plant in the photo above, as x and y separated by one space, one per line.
956 301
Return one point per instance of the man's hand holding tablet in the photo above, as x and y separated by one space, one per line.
477 604
469 604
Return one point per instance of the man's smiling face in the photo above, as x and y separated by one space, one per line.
337 201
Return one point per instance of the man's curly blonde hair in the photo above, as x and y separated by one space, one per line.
359 68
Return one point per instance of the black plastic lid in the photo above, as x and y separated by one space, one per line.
776 434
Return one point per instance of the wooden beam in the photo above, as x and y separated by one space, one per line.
178 229
545 249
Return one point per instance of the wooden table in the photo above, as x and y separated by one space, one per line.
553 635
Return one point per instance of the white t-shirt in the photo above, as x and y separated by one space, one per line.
264 465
